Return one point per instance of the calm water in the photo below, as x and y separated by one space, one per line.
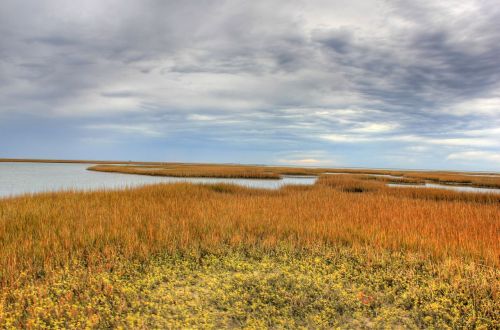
20 178
448 187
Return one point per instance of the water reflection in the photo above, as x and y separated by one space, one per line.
448 187
20 178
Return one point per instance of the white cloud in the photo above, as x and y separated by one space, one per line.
446 141
199 117
375 128
417 148
308 162
475 156
479 142
141 129
344 138
485 106
279 74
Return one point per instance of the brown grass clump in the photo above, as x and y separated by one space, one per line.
366 183
348 183
199 171
488 180
97 229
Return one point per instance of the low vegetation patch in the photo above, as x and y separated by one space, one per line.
341 288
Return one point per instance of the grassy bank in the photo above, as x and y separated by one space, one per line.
347 251
193 171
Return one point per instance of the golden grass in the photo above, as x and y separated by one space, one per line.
361 183
457 178
492 181
52 230
275 172
185 170
348 252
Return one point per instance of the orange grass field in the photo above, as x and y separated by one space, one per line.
47 231
348 252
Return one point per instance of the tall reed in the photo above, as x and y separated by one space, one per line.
98 229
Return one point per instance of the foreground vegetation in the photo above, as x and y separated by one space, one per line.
347 252
340 287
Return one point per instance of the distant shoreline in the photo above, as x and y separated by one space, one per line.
79 161
124 162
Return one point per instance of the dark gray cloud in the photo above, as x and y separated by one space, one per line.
396 77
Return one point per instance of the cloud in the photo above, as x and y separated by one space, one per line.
198 117
431 140
259 75
375 128
305 161
345 138
417 148
489 106
135 129
474 156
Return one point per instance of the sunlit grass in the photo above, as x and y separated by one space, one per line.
361 253
335 288
196 171
43 232
457 178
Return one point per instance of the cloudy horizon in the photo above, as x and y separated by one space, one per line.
386 84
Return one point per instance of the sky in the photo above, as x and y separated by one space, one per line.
347 83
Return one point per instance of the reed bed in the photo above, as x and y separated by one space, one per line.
47 231
275 172
198 171
347 252
492 181
364 171
457 178
362 183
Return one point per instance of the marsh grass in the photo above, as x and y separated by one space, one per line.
366 183
96 249
275 172
457 178
196 171
47 231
